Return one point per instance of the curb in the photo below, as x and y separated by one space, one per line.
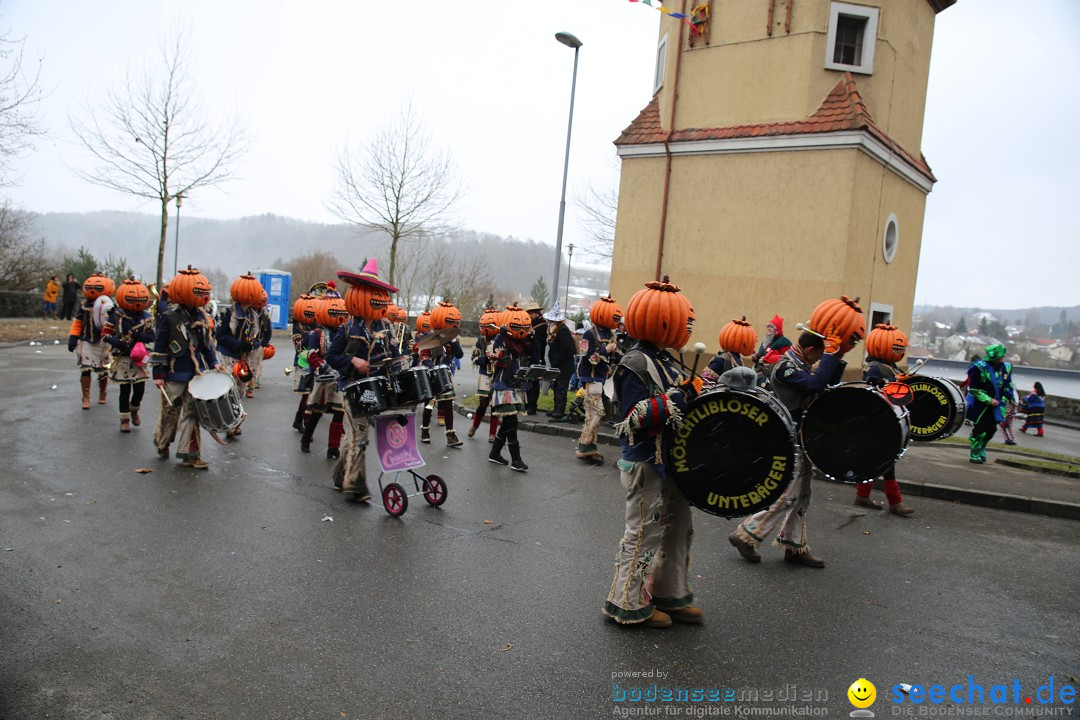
1014 503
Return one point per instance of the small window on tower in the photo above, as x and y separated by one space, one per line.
852 34
661 65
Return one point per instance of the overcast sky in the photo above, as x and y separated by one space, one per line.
493 86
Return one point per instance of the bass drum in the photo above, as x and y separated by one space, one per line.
216 401
734 453
936 410
852 432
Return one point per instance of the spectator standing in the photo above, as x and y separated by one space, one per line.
71 297
52 291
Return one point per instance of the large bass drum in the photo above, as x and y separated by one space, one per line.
852 432
216 400
734 453
936 410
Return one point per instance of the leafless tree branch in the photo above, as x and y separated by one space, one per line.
20 95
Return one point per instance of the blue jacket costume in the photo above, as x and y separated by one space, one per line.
239 331
595 363
183 345
506 354
356 340
130 328
647 388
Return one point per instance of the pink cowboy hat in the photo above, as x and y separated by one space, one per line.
368 276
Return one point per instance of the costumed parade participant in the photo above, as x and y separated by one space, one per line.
599 353
304 320
239 333
560 355
795 381
357 351
131 334
772 347
510 349
444 317
885 346
539 342
989 389
264 350
325 395
737 338
652 579
1035 407
183 348
489 328
85 336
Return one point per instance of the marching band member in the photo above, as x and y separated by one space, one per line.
325 396
304 321
129 325
560 355
651 584
881 370
239 333
488 330
599 352
795 381
183 348
510 349
85 335
429 358
989 389
363 343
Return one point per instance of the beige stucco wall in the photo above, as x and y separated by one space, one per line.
745 77
761 233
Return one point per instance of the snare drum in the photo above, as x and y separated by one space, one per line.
216 400
851 432
442 382
937 409
369 396
411 387
734 453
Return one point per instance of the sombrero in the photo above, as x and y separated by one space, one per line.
368 276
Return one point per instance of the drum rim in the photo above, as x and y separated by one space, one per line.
210 380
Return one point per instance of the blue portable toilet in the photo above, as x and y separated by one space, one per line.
276 283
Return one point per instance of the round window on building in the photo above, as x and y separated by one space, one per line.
890 240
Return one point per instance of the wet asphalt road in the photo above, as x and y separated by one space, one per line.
225 594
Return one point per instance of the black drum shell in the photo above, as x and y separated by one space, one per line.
853 433
411 387
442 381
735 452
369 396
936 410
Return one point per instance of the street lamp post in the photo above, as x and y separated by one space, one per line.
569 260
570 41
176 242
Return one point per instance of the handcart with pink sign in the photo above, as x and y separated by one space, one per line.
396 446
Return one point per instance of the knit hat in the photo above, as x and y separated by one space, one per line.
778 323
995 352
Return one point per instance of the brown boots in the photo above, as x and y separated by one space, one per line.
85 381
103 384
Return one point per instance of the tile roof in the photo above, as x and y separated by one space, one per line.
842 110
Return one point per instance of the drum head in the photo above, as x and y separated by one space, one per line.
851 432
210 386
937 410
734 453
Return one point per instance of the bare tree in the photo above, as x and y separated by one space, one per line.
397 183
440 273
150 138
309 269
601 206
20 95
23 263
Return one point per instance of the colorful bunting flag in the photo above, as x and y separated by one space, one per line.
659 5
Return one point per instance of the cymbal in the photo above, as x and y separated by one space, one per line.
438 338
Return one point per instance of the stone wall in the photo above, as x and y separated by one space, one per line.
1063 408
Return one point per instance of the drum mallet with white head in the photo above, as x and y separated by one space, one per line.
806 328
699 348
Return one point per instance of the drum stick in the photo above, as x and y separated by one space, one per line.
918 365
699 348
804 328
166 396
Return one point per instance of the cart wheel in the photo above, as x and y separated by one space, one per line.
434 490
395 500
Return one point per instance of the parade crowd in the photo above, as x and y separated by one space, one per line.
355 357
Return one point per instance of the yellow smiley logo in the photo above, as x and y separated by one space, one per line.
862 693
